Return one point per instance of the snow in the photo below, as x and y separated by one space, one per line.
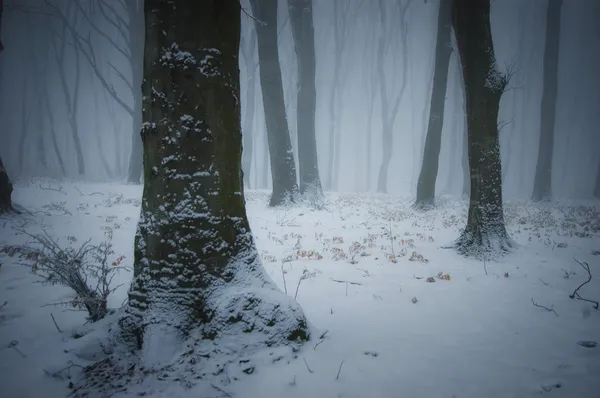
379 329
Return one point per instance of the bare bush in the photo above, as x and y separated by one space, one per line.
86 270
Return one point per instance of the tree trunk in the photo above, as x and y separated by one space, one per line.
247 131
197 273
301 20
597 188
433 140
283 167
485 232
542 186
136 42
6 189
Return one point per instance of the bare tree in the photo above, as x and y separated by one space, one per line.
6 187
390 106
597 187
542 186
433 141
283 167
248 49
485 231
301 20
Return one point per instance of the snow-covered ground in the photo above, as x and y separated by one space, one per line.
360 270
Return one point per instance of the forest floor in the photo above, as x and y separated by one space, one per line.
403 316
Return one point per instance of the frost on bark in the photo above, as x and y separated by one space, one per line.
198 281
542 186
301 21
6 188
485 232
433 141
283 167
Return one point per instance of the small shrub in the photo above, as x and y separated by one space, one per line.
86 270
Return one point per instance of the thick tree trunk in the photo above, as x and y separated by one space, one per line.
6 189
136 40
301 20
283 167
542 186
433 140
196 266
485 232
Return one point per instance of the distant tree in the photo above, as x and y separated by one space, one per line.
248 50
301 20
196 269
542 186
433 140
6 187
597 188
485 231
283 166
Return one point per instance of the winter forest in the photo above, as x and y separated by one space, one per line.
297 198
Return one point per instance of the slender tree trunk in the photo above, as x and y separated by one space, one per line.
597 188
301 20
6 189
283 167
433 140
247 131
542 186
197 273
136 42
485 232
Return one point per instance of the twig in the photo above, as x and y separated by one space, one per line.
52 189
221 390
55 324
307 367
485 266
575 294
283 276
339 370
551 309
340 281
545 283
392 239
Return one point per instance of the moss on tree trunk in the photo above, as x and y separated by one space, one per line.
485 232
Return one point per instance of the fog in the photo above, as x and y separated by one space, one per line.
68 75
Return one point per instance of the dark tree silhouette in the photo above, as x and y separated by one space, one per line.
597 188
485 232
301 20
283 167
6 187
433 141
542 186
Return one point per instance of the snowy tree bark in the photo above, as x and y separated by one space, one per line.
542 186
301 20
196 266
283 167
433 140
485 232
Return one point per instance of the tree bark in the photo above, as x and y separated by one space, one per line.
485 232
283 167
6 189
433 140
542 186
301 20
196 266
